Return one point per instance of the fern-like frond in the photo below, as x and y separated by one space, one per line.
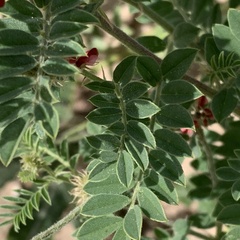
22 207
224 66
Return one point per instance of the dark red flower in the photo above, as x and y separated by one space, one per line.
202 101
201 116
89 60
2 2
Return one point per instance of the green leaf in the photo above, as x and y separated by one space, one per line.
134 90
230 215
141 133
11 23
49 118
45 195
227 174
63 29
234 164
176 63
10 138
21 9
149 69
121 235
105 142
110 185
105 100
117 128
150 205
14 109
152 43
141 108
179 91
181 229
104 116
103 87
162 187
175 116
210 49
125 168
162 233
101 171
59 67
167 165
225 40
202 220
41 3
65 48
132 223
234 21
138 153
235 189
59 6
15 42
13 65
184 34
172 143
124 71
76 15
223 103
237 153
14 86
99 228
104 204
233 234
107 156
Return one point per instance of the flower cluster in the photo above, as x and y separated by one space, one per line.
203 114
79 195
201 117
83 61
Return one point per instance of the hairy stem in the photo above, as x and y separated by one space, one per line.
151 14
58 225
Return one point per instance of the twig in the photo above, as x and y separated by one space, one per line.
58 225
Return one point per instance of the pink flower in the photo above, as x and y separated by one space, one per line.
83 61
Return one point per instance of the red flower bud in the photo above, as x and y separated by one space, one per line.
202 101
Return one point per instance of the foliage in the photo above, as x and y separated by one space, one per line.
152 114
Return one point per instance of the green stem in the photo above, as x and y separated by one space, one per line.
124 114
156 101
60 224
209 156
56 156
43 47
151 14
136 190
91 76
219 230
199 235
72 131
180 10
